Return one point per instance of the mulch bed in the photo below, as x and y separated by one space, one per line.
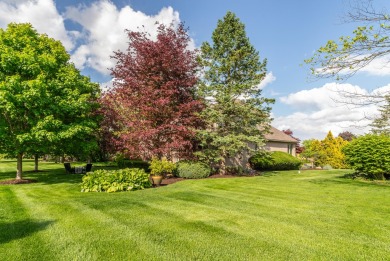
168 181
17 181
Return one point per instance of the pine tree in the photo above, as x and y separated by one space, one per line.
381 125
235 108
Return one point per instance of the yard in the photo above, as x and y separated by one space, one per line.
314 215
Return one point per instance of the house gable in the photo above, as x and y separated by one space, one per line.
277 140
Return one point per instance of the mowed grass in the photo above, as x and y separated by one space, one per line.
314 215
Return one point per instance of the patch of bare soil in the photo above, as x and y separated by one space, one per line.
17 181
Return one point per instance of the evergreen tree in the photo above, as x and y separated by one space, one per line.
235 108
331 151
381 125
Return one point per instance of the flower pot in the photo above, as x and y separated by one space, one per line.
156 180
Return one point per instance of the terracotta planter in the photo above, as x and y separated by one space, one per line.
156 180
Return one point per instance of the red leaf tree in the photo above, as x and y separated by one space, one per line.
152 109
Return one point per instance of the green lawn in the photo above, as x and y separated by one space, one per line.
315 215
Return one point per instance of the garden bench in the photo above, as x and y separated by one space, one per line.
77 170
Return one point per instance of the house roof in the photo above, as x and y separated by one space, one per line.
280 136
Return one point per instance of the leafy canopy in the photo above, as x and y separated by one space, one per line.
45 104
370 155
326 152
342 58
152 109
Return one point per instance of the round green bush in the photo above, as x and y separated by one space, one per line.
192 170
276 160
370 155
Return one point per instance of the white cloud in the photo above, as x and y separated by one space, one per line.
321 110
378 67
102 27
42 14
106 86
104 30
269 78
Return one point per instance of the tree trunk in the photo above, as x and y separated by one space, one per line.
222 167
19 166
36 162
62 159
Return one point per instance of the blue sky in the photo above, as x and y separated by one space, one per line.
283 31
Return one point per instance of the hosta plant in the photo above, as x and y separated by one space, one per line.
115 180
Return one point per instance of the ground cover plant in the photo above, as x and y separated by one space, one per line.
314 215
115 180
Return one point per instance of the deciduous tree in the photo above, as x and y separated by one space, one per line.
347 135
341 59
152 109
45 104
230 85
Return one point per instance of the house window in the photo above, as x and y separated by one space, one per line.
290 148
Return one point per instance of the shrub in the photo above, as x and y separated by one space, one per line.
192 170
161 167
369 155
276 160
134 164
115 180
239 171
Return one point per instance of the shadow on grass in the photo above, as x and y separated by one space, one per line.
52 176
19 229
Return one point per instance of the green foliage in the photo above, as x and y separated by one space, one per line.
161 167
129 163
331 152
276 160
326 152
370 154
312 150
239 171
235 108
46 105
343 58
381 125
115 180
192 170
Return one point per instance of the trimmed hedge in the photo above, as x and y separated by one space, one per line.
192 170
276 160
115 180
